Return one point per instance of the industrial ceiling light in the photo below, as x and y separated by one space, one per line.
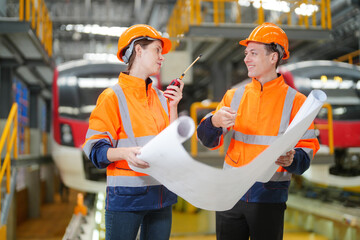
281 6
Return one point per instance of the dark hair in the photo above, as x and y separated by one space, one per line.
143 43
274 47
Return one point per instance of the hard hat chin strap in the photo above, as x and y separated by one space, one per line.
129 50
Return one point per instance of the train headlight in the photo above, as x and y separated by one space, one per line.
66 135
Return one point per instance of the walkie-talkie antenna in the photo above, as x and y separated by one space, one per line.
182 75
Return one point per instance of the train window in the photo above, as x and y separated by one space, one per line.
78 94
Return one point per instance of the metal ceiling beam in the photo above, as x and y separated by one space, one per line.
222 31
112 13
207 49
16 54
242 31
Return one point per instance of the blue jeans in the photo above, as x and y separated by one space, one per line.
155 224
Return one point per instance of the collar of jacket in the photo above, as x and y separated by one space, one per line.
139 85
273 84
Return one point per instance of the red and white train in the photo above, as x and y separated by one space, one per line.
341 82
76 86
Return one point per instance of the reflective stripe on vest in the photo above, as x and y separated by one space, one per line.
141 141
130 141
162 100
131 181
263 139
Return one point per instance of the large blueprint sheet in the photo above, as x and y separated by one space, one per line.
211 188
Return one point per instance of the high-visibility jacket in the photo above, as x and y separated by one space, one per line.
130 114
264 113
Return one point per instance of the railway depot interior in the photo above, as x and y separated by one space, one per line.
40 199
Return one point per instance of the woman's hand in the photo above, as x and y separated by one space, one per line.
128 154
174 93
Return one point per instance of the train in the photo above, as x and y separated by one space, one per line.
341 82
76 86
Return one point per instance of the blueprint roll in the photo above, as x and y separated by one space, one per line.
211 188
167 144
185 128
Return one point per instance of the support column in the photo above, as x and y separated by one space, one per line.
218 79
228 74
6 92
47 175
33 185
35 132
33 171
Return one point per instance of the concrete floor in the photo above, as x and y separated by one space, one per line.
191 225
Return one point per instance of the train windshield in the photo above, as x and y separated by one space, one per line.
342 112
78 94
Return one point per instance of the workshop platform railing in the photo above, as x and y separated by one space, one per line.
349 58
9 140
36 12
305 14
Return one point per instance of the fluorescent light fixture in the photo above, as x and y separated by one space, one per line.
281 6
98 217
244 3
95 235
100 204
95 29
332 84
101 196
68 81
98 30
273 5
96 82
100 57
306 9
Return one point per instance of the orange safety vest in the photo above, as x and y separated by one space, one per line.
127 115
264 113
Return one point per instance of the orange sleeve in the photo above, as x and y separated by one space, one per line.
105 117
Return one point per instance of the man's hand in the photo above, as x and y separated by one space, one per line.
285 161
225 118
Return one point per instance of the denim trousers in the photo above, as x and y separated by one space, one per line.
154 224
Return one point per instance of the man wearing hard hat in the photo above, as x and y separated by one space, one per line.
258 112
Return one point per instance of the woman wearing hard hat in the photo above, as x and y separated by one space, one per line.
258 112
126 117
